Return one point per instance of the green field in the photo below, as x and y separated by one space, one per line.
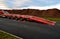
7 36
52 19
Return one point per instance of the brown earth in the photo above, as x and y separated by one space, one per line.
40 13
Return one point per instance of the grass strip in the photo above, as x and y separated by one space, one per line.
5 35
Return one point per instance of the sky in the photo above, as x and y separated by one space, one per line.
28 3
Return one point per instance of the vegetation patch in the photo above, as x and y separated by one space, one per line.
4 35
52 19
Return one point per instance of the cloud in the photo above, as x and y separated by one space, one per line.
41 3
48 1
27 3
43 8
2 5
18 3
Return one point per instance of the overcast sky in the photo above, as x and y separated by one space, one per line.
27 3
